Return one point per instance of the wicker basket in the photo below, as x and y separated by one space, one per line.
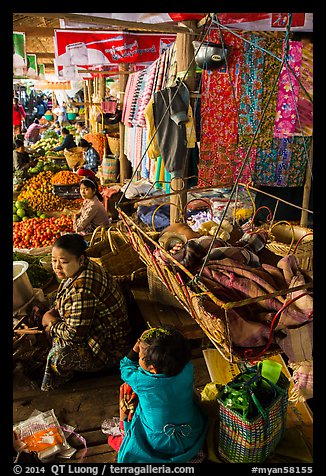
71 191
159 291
286 238
210 312
114 253
114 142
74 157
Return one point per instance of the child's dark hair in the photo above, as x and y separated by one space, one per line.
89 183
168 351
73 243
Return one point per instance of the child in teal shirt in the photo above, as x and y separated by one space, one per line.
167 425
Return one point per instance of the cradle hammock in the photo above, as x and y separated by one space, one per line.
199 301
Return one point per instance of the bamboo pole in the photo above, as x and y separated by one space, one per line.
185 55
86 100
307 190
125 169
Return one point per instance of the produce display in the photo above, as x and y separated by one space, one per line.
40 232
99 142
46 144
45 166
37 274
23 211
65 177
37 191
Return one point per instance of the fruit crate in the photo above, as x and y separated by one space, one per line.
70 191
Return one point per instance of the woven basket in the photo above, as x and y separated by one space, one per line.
209 311
286 238
159 291
70 191
114 142
74 157
114 253
253 440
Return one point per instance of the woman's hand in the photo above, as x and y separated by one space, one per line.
136 346
50 316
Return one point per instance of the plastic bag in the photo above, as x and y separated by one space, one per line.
42 434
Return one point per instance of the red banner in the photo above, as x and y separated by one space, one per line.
87 48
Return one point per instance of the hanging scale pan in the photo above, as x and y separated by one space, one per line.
209 55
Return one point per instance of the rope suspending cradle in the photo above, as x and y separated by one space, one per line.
212 312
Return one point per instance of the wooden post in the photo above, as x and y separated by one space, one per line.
86 106
306 190
125 167
185 55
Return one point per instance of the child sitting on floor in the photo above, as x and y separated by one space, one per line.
160 419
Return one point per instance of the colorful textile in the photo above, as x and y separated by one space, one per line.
271 69
134 102
128 98
128 402
219 112
251 88
146 94
284 164
248 169
299 161
304 124
288 91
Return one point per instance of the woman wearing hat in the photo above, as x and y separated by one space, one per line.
92 213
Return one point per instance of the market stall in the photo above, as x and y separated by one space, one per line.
187 140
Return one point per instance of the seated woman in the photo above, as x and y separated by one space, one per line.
88 326
21 162
161 420
68 141
91 156
92 213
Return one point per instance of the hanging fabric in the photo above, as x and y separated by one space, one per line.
288 92
146 94
271 67
170 109
304 122
129 94
251 88
219 113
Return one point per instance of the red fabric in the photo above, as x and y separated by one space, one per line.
115 442
219 116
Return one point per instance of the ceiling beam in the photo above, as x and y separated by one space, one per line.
158 27
41 55
37 32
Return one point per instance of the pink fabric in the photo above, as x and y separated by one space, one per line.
129 94
304 124
146 95
109 106
288 91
